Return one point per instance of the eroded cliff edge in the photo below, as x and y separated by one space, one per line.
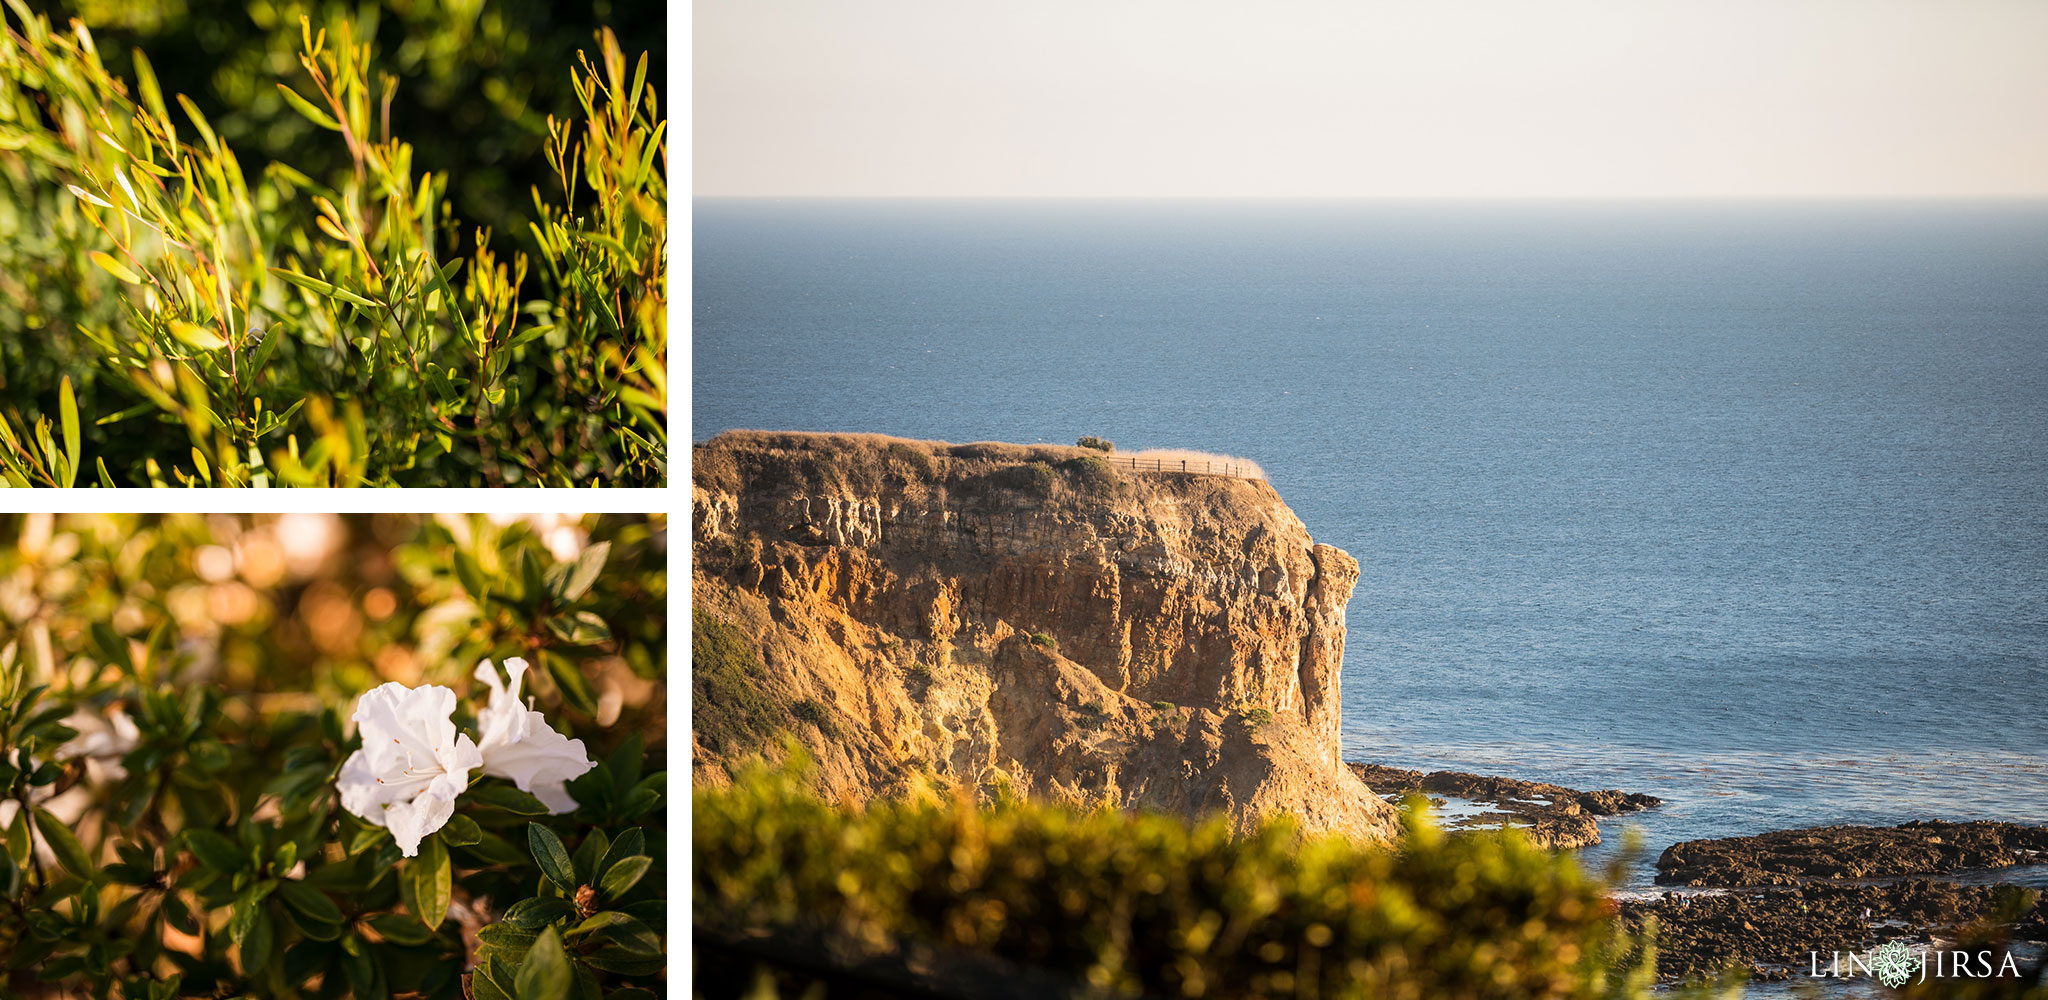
991 614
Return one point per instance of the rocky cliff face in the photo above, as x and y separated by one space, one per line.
997 614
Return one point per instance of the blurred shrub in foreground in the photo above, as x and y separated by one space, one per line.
1129 904
192 320
175 706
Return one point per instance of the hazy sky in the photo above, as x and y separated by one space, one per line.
1368 98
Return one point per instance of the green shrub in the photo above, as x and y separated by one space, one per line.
728 711
817 715
1164 706
1133 903
1042 639
184 680
1091 474
198 321
1096 443
917 459
1030 477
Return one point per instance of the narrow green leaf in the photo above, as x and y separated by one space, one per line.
145 81
305 107
199 120
66 846
552 857
67 409
196 337
545 973
114 267
322 287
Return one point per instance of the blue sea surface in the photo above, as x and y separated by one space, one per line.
1744 505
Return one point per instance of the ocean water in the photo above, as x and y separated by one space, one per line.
1744 505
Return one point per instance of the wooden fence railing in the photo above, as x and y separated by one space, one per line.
1196 466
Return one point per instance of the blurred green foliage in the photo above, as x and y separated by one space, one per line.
476 80
1128 904
173 697
323 317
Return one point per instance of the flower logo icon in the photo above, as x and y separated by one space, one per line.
1894 964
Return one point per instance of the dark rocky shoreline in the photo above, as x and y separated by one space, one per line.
1774 900
1553 816
1793 893
1786 857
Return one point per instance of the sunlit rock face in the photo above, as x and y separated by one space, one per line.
1002 614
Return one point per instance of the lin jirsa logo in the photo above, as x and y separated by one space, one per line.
1895 965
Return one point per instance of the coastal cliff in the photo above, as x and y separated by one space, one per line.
989 615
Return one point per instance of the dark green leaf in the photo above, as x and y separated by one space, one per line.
507 936
625 764
583 628
510 799
588 854
629 844
534 913
215 851
570 680
552 857
545 973
432 881
581 574
625 931
461 831
471 573
257 942
400 929
624 876
487 982
309 901
492 849
616 959
66 846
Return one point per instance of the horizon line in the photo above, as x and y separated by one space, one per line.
1958 196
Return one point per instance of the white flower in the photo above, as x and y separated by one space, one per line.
100 737
412 765
519 745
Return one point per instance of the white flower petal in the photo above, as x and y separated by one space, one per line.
412 765
520 746
411 822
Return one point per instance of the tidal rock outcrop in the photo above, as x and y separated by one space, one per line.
984 615
1786 857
